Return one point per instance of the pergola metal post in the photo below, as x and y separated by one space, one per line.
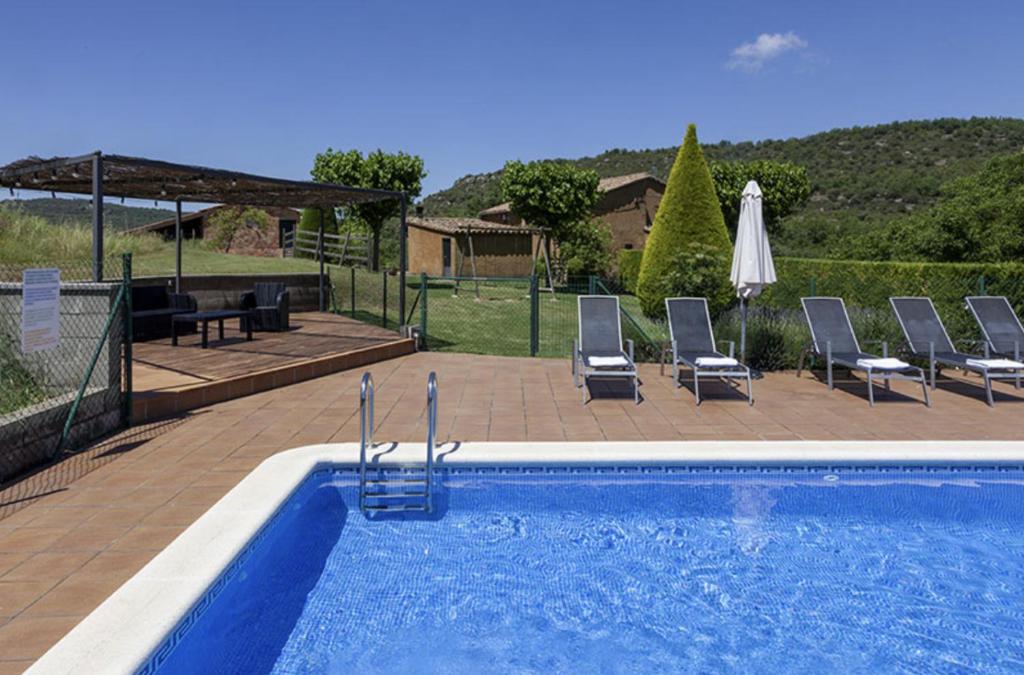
177 246
320 257
403 236
97 217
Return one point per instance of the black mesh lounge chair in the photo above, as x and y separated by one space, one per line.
598 351
268 303
833 338
927 339
999 324
693 345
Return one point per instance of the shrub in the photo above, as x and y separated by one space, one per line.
585 248
698 270
689 213
775 337
629 268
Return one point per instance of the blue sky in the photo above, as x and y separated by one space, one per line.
262 86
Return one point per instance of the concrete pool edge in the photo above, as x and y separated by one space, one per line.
126 629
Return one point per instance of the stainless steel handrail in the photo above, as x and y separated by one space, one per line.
366 390
431 434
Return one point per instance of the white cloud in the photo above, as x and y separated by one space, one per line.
750 56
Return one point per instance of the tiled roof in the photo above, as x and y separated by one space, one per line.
605 185
459 226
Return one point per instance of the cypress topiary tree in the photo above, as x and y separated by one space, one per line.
689 214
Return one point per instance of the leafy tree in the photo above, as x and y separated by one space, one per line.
378 170
586 248
227 222
784 187
689 213
309 221
978 218
552 195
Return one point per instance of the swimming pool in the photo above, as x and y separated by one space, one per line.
619 567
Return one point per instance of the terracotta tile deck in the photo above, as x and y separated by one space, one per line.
70 535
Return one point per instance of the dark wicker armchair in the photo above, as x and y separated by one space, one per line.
268 303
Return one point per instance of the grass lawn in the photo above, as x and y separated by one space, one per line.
496 323
198 260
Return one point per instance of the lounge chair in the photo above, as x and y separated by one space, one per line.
999 324
598 350
693 346
927 339
268 302
832 337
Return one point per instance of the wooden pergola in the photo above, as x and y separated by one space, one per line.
119 176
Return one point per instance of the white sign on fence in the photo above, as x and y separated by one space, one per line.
40 310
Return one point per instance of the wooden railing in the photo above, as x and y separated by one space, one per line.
339 249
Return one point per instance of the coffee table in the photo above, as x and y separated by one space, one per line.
205 318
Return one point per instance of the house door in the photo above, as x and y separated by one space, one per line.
284 235
446 256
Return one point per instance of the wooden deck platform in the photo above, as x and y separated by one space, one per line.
168 379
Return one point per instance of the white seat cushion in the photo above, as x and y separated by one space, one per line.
606 361
883 364
1004 364
716 362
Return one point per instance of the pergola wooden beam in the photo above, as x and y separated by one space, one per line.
100 175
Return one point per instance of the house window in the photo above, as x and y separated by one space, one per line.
629 247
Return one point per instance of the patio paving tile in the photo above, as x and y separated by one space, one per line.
93 524
28 637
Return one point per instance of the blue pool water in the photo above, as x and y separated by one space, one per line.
629 570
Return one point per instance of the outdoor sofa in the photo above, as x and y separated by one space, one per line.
928 339
598 352
694 346
832 338
152 309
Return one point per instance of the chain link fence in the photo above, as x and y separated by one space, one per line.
56 398
513 317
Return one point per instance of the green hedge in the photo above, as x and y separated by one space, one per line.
866 287
869 285
629 268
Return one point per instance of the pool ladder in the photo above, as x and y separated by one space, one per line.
410 490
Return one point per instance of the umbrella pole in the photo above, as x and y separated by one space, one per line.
743 330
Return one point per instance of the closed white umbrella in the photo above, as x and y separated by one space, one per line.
752 265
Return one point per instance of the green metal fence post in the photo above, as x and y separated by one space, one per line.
591 285
384 298
981 285
814 285
534 316
73 412
352 277
423 308
126 284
